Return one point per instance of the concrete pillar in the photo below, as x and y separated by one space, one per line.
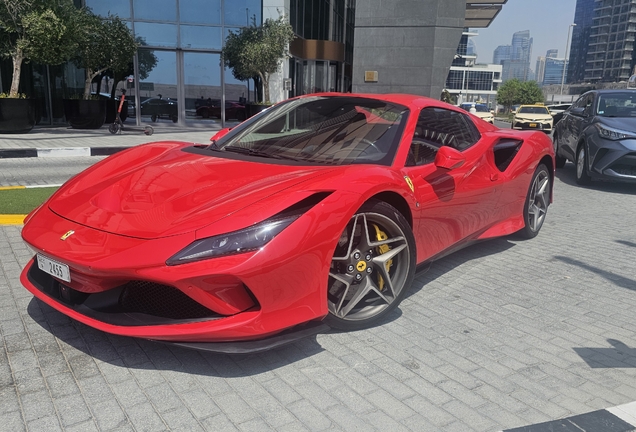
409 43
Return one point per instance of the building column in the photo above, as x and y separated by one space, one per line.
409 43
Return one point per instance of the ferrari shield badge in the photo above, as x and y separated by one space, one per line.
410 183
67 235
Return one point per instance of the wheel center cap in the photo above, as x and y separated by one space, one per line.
361 266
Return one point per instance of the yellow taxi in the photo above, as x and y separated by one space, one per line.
535 116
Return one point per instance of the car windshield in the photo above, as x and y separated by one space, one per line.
617 105
533 110
337 130
482 108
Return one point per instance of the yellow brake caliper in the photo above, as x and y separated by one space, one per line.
382 249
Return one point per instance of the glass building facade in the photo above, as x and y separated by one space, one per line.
178 66
322 53
583 18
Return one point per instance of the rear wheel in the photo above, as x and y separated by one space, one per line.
372 267
153 117
582 175
537 202
559 160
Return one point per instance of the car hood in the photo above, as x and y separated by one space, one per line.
159 190
627 124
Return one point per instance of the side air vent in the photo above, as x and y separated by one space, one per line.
505 151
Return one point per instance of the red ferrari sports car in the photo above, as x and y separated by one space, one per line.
317 210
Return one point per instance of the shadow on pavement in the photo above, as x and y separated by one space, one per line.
626 243
477 250
619 356
617 280
134 353
567 175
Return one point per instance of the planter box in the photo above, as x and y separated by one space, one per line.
253 109
17 115
85 114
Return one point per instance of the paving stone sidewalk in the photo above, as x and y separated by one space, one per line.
500 335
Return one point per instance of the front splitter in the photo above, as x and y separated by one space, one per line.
256 346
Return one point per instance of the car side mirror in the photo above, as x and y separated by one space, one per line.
449 158
220 134
578 111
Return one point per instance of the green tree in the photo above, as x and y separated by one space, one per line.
256 51
515 92
446 96
104 43
507 94
530 93
37 30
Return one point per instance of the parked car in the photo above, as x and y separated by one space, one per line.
233 110
598 133
315 212
160 107
532 117
480 110
557 112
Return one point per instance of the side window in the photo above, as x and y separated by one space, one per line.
437 127
589 102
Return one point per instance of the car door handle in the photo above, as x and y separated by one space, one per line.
494 176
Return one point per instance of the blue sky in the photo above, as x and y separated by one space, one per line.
547 20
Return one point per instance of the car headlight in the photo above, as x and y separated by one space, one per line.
612 134
245 240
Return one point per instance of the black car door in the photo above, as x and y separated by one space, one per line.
576 121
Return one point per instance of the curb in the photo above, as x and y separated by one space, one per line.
60 152
18 219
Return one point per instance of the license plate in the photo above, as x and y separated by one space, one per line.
54 268
533 125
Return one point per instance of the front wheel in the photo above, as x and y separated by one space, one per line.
153 118
372 267
537 202
582 175
114 128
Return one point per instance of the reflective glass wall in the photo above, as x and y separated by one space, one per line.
178 75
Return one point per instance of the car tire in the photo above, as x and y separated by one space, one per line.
174 118
205 114
559 160
240 116
153 118
372 267
582 175
537 202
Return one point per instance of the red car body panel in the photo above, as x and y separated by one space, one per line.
134 210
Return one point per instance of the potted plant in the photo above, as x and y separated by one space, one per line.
32 30
256 52
103 43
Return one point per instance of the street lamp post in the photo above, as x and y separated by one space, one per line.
565 60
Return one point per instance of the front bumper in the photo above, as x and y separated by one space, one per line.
532 124
613 160
122 286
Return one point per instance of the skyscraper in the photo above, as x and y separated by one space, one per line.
583 18
518 63
540 69
552 53
501 53
610 54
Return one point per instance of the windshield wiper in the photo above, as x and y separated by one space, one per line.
252 152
